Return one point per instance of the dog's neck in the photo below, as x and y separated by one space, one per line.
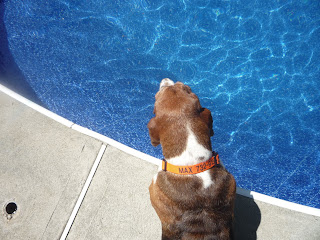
193 152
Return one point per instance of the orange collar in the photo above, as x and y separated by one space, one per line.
192 169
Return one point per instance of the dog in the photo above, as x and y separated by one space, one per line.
192 193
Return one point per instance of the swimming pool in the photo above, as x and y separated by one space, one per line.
254 64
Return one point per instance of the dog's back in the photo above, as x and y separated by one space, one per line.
187 210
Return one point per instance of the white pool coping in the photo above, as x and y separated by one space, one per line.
244 192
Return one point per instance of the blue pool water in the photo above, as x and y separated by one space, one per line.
254 64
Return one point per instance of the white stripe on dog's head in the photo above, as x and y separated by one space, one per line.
166 82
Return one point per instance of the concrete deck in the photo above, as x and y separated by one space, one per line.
44 166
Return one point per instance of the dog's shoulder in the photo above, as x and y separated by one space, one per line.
190 191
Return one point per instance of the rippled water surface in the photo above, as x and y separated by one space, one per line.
254 64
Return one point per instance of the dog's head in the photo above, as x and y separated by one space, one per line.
175 107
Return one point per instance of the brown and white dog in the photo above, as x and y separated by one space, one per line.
190 206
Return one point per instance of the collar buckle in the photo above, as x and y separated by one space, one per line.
164 165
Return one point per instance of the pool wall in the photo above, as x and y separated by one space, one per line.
10 74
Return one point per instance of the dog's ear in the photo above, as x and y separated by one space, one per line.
206 116
154 132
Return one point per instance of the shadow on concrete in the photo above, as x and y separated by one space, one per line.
247 218
10 74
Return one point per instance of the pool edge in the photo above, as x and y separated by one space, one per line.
244 192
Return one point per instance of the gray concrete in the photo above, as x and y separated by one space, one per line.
259 220
117 205
43 167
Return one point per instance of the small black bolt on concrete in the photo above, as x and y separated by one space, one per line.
11 208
